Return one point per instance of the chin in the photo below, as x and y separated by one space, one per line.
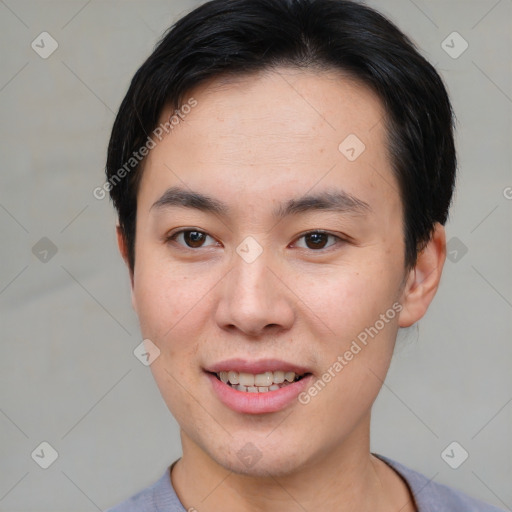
251 461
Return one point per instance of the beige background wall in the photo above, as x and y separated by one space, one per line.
68 374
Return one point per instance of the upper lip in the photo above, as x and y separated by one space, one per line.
257 366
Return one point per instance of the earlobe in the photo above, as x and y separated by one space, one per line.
423 280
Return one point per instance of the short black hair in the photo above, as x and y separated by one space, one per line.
240 37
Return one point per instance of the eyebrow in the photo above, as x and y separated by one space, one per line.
329 200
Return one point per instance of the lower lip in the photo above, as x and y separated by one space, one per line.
258 403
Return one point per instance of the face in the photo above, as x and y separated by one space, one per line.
292 255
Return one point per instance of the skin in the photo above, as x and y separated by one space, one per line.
253 143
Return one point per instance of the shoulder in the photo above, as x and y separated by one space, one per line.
157 497
431 496
142 501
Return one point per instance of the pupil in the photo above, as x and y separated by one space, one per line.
194 237
318 239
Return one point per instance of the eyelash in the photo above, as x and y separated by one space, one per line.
172 238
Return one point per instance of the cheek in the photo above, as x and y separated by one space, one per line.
171 320
349 300
167 295
359 308
171 309
361 316
176 392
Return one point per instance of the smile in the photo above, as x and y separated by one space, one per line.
260 382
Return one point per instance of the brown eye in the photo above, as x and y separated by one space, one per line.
194 238
317 240
190 238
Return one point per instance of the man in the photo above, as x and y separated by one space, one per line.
282 172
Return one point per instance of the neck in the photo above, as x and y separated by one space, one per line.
342 479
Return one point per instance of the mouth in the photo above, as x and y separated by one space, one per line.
257 386
260 382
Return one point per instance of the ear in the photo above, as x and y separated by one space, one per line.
123 249
423 280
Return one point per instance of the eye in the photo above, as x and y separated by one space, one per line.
317 240
190 238
195 239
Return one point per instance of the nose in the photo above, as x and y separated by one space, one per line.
255 299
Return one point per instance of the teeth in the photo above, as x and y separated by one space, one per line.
264 379
259 383
246 379
278 377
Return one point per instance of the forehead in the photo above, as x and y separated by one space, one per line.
284 131
282 103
